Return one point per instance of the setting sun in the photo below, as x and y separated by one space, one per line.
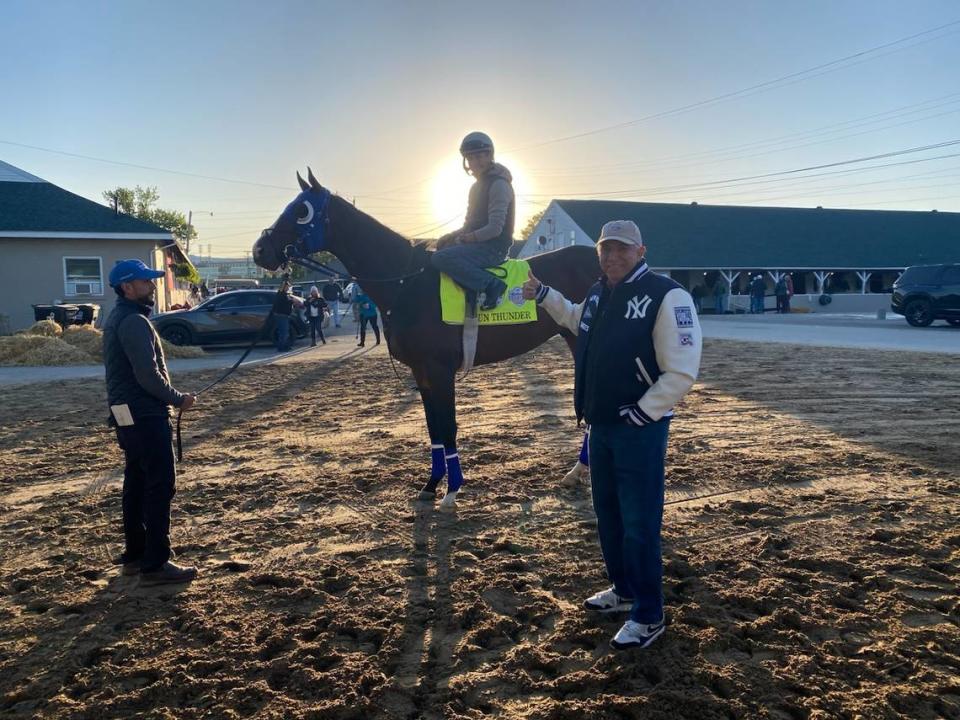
451 185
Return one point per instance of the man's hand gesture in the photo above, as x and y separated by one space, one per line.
531 287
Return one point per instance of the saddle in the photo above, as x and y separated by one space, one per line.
512 310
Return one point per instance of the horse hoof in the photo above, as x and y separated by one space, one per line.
427 496
449 501
578 473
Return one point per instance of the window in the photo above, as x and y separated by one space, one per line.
951 275
82 276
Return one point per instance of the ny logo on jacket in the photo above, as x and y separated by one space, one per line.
637 307
622 331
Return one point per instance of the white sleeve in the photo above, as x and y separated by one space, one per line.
678 342
566 314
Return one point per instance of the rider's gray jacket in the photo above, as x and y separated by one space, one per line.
648 354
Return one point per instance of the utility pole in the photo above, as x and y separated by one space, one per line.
190 225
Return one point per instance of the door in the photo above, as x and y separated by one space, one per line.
948 297
255 310
227 320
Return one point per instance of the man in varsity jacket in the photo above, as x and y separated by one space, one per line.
638 353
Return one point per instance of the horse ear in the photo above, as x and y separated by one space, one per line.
303 183
313 181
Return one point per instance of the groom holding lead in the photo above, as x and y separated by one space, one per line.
637 354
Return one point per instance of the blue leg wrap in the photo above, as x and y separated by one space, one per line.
454 474
585 450
438 464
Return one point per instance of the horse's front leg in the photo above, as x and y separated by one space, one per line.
437 392
443 414
438 463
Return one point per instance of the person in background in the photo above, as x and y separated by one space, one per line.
315 307
140 397
780 290
334 296
697 294
789 278
720 296
282 309
351 292
637 354
758 290
368 314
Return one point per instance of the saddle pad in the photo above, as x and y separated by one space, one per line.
512 310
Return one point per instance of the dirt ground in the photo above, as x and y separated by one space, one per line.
811 548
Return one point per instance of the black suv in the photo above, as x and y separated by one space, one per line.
925 293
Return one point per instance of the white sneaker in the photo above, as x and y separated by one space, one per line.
607 601
637 635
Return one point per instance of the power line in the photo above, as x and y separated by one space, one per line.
663 163
144 167
763 176
753 89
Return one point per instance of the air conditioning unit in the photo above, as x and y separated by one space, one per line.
83 288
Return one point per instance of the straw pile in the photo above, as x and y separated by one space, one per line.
85 338
30 349
181 351
47 328
45 343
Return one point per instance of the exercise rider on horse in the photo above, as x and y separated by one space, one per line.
487 232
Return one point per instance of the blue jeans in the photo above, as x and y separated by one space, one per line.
282 332
335 311
149 484
720 304
465 264
626 474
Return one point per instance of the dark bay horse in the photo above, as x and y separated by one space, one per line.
399 278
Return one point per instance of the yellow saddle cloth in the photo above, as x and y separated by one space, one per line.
512 309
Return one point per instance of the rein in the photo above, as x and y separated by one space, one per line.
259 336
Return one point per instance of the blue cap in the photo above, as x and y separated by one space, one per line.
127 270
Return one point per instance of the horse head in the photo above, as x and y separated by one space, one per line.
301 230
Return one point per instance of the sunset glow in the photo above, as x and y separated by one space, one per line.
451 185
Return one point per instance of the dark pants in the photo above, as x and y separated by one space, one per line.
284 342
626 473
465 263
783 304
363 328
316 329
149 484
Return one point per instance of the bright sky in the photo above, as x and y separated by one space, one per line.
375 97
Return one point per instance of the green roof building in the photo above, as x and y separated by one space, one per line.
824 250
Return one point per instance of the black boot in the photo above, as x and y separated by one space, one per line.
493 294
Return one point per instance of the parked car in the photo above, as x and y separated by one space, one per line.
925 293
231 317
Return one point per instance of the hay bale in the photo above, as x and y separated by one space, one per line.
87 338
181 351
78 345
46 328
29 349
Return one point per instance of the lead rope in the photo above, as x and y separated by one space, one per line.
280 291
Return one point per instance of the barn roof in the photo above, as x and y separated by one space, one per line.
730 236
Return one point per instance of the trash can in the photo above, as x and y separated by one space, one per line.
89 312
65 314
42 312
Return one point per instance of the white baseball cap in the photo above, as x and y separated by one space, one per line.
625 231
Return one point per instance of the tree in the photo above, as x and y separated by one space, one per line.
139 202
531 224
